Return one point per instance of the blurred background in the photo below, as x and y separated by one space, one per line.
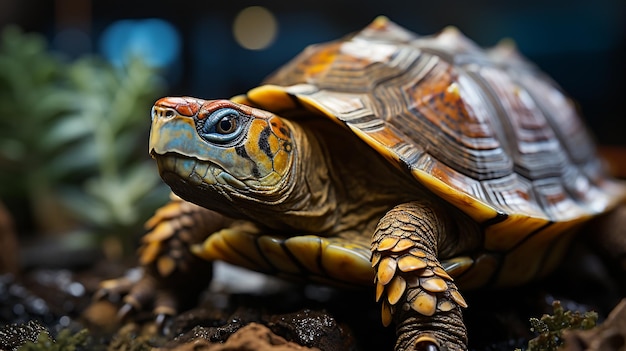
221 48
78 77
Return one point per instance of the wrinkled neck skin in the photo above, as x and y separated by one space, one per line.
305 199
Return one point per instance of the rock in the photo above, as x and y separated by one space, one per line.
252 337
311 327
13 336
278 324
608 336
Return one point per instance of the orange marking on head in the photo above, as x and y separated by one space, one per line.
210 106
186 106
279 128
253 146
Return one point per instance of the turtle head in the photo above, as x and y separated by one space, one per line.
220 154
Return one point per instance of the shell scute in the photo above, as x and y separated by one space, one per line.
480 129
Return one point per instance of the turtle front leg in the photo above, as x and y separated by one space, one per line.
170 273
415 291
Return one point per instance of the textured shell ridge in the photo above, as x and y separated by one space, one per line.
483 129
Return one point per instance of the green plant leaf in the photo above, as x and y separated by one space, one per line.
77 129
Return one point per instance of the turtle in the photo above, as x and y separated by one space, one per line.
413 166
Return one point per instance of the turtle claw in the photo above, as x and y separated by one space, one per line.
101 294
136 291
125 311
163 322
426 345
112 289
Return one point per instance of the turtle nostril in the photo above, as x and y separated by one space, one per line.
163 112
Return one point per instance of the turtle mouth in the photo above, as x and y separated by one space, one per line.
194 172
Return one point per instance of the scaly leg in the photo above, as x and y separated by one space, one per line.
415 291
171 273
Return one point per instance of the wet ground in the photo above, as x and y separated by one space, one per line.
242 310
259 313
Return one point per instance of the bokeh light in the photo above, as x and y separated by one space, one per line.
255 28
154 40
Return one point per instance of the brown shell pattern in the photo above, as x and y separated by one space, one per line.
483 129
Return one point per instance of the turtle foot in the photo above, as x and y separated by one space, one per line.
416 293
137 291
141 290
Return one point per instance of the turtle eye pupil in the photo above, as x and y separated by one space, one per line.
222 126
226 125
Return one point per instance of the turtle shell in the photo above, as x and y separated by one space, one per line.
484 130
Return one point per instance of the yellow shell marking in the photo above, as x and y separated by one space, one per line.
307 249
482 269
328 260
246 248
279 100
476 209
456 266
219 246
505 235
516 264
272 250
343 262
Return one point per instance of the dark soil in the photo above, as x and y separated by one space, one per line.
281 318
261 313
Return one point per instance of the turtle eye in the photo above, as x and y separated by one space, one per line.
226 125
222 126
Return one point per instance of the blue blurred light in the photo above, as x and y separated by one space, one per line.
154 40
